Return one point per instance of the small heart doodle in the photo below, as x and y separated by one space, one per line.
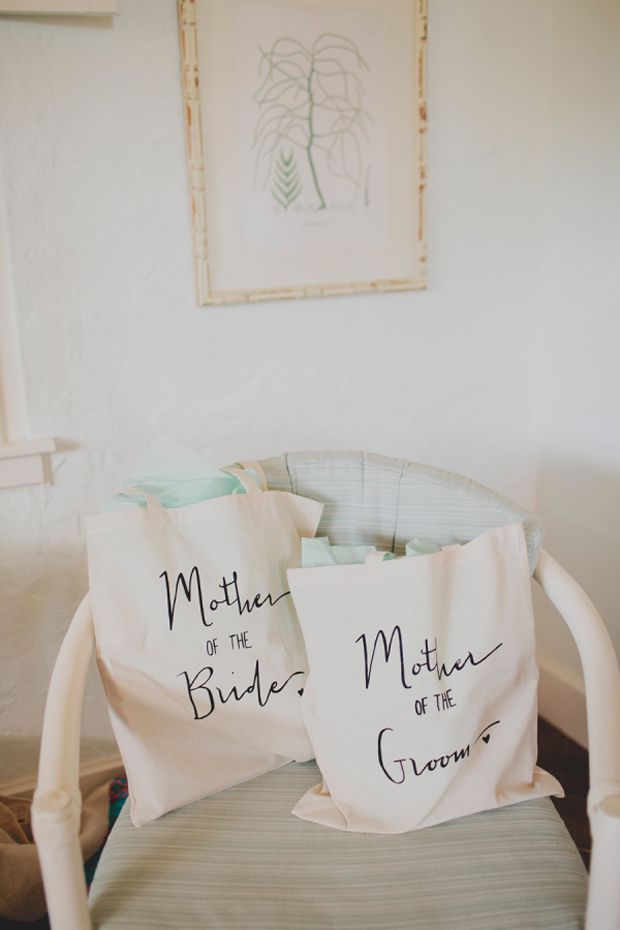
486 738
300 692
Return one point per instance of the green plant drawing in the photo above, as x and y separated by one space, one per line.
286 186
311 99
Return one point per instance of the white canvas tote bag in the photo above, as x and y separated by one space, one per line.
421 696
198 645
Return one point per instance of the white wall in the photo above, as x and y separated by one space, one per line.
579 374
116 351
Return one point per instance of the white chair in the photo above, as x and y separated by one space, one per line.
240 861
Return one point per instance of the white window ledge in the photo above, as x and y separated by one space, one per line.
66 7
23 463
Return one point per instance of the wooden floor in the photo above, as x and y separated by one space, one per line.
569 763
558 755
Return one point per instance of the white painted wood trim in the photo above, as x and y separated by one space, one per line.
22 460
562 700
92 774
60 7
24 463
25 447
13 408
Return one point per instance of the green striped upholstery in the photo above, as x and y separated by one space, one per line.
371 499
240 861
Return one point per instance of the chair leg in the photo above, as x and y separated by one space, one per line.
604 890
56 807
602 681
56 824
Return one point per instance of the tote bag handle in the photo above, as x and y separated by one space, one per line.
257 468
152 504
249 483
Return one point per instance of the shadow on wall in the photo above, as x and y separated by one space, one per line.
24 753
83 22
580 505
40 588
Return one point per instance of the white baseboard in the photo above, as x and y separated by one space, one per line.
562 701
92 774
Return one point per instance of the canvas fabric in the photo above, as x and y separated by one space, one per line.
421 697
198 646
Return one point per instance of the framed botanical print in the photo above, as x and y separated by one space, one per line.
305 123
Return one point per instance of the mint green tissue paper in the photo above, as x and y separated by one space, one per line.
176 477
421 546
319 552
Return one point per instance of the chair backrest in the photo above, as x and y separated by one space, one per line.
374 500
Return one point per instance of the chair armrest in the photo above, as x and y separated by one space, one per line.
602 682
57 802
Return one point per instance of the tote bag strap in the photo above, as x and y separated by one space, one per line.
250 485
257 468
152 504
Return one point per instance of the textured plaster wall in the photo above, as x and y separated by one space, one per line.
578 406
115 350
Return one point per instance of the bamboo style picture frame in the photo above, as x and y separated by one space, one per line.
305 129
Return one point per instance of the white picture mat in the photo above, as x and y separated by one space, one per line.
252 246
350 224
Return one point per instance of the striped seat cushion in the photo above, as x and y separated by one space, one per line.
240 861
